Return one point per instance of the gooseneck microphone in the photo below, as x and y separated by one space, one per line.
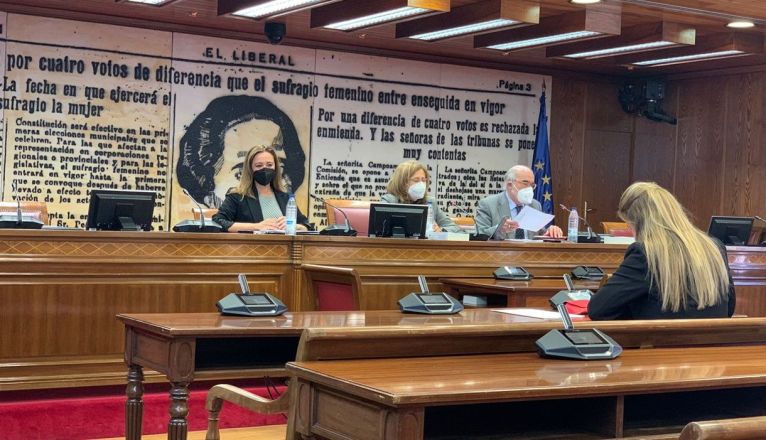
591 234
338 230
194 225
199 207
19 220
14 189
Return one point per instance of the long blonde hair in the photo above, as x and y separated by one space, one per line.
400 179
245 187
682 259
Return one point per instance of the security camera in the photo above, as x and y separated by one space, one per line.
275 32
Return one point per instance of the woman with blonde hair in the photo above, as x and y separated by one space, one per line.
259 202
673 270
409 184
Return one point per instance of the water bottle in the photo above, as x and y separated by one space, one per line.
292 215
430 219
574 226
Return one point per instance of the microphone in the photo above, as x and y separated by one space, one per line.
14 189
19 220
243 284
423 284
336 229
592 237
196 225
565 318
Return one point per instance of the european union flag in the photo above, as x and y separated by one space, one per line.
541 161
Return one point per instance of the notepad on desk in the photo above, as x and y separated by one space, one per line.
535 313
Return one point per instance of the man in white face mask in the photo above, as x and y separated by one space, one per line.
506 206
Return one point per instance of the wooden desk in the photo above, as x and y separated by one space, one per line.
188 346
62 289
185 346
533 293
654 391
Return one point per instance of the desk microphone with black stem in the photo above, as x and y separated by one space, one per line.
336 229
18 220
197 225
580 344
590 237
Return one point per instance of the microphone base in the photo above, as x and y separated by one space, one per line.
339 231
595 238
11 221
196 226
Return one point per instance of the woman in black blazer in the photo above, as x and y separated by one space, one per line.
673 270
260 188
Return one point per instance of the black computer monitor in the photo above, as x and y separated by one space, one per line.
397 220
731 230
115 210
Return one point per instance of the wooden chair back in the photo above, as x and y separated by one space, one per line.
332 288
358 212
745 428
38 210
620 229
209 213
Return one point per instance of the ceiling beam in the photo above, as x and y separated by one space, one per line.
728 42
638 38
580 25
513 12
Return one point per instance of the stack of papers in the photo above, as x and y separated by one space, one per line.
536 313
532 219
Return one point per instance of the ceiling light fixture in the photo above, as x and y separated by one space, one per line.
584 2
579 25
639 38
716 46
471 19
741 24
258 9
688 58
148 2
351 15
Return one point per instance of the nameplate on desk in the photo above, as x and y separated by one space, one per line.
449 236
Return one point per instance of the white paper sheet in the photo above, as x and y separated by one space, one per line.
532 219
535 313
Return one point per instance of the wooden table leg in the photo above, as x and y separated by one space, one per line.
179 409
134 407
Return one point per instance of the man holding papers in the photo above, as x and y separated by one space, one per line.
508 214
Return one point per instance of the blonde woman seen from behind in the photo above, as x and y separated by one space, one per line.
673 270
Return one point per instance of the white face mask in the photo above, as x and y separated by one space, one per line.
526 195
417 191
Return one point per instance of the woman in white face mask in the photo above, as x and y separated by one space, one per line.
409 184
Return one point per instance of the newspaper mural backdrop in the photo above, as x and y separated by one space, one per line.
88 106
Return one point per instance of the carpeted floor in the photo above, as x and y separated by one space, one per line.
91 413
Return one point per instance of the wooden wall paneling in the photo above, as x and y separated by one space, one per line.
567 134
606 173
745 159
700 165
606 152
654 144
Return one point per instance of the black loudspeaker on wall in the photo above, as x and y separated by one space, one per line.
644 98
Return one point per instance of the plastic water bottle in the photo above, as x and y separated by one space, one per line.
292 215
574 226
430 219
